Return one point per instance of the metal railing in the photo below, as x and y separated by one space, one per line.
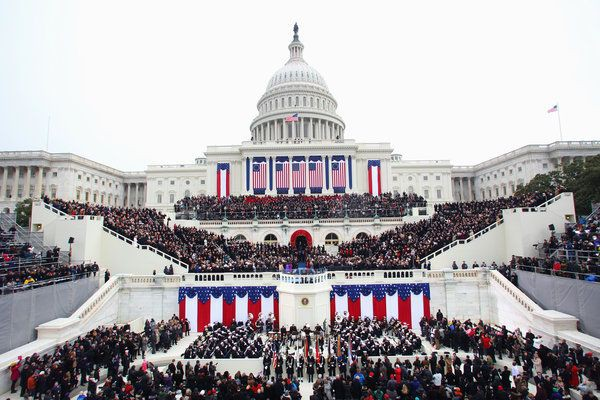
583 276
577 256
46 282
21 263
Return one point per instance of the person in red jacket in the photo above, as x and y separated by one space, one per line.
15 374
574 380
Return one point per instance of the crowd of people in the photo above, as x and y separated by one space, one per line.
404 246
400 248
113 348
19 278
297 207
577 250
321 355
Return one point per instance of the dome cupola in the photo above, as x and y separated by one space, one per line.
297 105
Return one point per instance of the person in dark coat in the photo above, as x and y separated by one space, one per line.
338 388
356 388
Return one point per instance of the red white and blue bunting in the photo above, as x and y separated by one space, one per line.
407 302
205 305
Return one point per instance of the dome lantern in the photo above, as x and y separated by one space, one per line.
295 47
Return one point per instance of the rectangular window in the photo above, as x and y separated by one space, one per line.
159 198
87 178
54 174
395 178
78 196
504 190
519 169
439 193
510 171
425 177
502 173
171 198
159 183
545 165
53 193
172 182
438 178
79 177
87 196
202 181
95 197
426 193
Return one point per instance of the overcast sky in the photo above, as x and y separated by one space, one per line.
132 83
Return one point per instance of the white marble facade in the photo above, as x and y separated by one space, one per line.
297 121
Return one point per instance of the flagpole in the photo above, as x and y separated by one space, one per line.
559 124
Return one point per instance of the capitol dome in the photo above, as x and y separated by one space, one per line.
294 72
297 106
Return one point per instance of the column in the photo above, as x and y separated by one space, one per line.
4 178
37 193
135 196
128 203
310 128
26 190
460 190
302 128
15 187
470 197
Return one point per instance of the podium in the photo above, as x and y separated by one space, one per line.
304 299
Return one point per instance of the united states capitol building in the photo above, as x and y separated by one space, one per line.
297 145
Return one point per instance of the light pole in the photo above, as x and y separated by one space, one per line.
225 213
285 218
255 216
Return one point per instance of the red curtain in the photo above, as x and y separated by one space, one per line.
404 314
354 307
203 314
276 311
379 308
254 308
228 312
332 309
427 311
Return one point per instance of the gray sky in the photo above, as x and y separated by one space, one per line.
132 83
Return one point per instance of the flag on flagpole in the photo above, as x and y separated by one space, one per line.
339 347
350 349
306 347
553 109
274 355
292 118
317 353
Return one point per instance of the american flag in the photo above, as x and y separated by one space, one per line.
315 174
282 175
553 109
259 175
292 118
338 174
299 174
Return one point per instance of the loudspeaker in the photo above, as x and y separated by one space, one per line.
71 240
551 227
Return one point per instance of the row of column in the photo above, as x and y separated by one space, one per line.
135 194
460 186
304 128
15 178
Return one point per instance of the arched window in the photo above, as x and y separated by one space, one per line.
332 239
239 238
270 238
362 236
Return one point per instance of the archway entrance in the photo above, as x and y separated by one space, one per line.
301 238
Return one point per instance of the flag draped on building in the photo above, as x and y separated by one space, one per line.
374 171
259 175
299 174
222 179
338 174
205 305
315 174
282 175
405 302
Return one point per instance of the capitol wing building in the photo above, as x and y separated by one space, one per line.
297 145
